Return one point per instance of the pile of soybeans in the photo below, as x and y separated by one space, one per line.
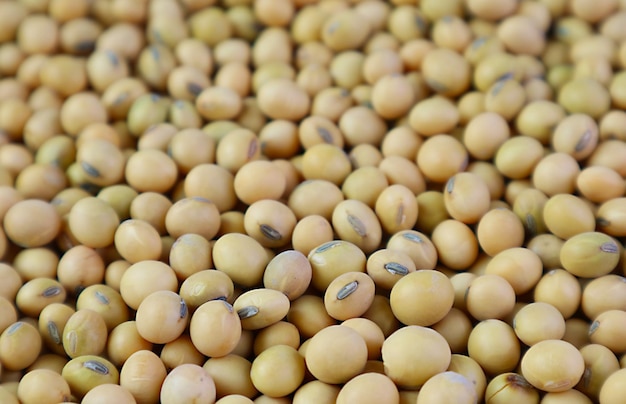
312 201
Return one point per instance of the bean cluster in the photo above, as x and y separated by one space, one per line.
312 201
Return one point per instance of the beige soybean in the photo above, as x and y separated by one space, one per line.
560 289
548 247
396 208
310 232
597 98
309 315
188 382
151 170
336 354
365 155
190 253
124 340
33 296
537 322
602 294
447 387
365 184
456 244
432 163
220 190
269 222
279 139
155 215
108 391
191 147
9 313
484 134
279 333
455 327
231 374
81 109
289 272
258 180
280 362
483 291
472 371
396 87
403 171
510 386
260 308
528 206
316 391
607 330
600 363
606 154
20 345
79 267
113 273
569 396
236 148
590 254
434 115
40 181
331 102
413 354
357 223
105 301
517 157
417 245
431 211
89 213
361 125
521 267
610 125
568 215
387 266
161 317
401 141
315 197
576 135
498 230
85 333
193 215
369 388
550 375
13 281
612 389
600 184
244 269
441 77
143 278
470 106
349 295
422 298
136 240
218 318
327 162
43 386
51 323
494 345
505 97
466 197
206 285
274 102
31 223
609 217
556 173
120 197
